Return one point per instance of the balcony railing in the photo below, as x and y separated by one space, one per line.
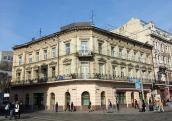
85 53
81 76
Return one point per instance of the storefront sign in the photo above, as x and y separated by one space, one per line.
137 84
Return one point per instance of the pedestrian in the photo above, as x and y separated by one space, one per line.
89 107
67 106
72 107
17 107
150 105
143 106
56 106
117 105
161 107
109 106
136 104
7 106
20 109
12 108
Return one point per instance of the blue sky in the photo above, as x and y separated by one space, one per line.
21 20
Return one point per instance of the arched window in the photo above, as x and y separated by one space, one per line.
52 100
27 99
85 98
103 99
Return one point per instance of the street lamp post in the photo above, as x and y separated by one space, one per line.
141 73
141 80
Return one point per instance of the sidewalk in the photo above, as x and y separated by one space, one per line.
122 111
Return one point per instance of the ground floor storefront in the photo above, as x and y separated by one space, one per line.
80 93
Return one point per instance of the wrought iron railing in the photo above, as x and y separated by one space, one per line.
82 76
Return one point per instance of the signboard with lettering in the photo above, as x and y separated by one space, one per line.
137 84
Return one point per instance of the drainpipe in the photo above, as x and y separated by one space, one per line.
58 55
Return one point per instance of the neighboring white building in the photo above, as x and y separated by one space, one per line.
161 41
6 56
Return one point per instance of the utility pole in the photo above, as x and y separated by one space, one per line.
40 32
92 17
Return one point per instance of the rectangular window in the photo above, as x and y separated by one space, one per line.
45 55
121 97
100 48
53 52
18 74
67 69
112 51
114 71
30 58
141 57
5 57
28 75
120 52
9 57
67 48
37 56
101 68
53 71
84 45
122 72
85 70
20 59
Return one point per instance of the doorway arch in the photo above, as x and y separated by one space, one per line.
103 99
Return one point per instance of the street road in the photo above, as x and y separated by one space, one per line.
79 116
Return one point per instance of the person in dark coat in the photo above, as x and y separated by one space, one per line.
143 106
89 107
136 104
117 105
72 107
56 106
20 109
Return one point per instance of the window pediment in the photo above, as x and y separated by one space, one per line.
102 60
28 68
137 66
52 63
123 64
67 61
115 62
19 70
36 67
130 65
44 65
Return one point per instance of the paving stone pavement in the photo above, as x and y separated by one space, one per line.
123 115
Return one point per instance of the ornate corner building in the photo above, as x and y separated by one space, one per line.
162 50
81 63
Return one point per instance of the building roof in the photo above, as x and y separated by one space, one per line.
80 26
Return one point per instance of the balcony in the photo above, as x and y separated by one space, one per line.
85 53
80 76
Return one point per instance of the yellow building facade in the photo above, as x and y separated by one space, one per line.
81 63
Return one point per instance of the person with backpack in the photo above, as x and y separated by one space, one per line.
16 109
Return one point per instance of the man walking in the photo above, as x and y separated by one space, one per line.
143 106
72 107
136 104
56 106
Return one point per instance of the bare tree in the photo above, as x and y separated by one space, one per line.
4 82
